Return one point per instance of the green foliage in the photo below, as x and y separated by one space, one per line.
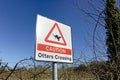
113 38
112 30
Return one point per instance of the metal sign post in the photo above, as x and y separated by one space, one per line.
53 42
54 66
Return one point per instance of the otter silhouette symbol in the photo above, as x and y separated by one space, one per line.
57 37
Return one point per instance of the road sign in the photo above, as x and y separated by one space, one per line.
53 41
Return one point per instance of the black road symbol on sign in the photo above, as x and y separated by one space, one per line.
57 37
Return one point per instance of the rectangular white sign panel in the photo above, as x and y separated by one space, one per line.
53 41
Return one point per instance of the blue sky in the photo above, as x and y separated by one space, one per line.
18 23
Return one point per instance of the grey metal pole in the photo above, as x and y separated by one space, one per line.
54 64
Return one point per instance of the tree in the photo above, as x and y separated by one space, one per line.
109 19
113 36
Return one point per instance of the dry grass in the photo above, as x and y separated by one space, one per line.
34 74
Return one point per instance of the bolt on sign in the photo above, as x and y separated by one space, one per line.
53 41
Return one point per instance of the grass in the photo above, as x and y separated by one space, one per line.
38 73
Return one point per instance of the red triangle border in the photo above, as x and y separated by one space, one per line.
47 40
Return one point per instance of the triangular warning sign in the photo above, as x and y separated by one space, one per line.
55 36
